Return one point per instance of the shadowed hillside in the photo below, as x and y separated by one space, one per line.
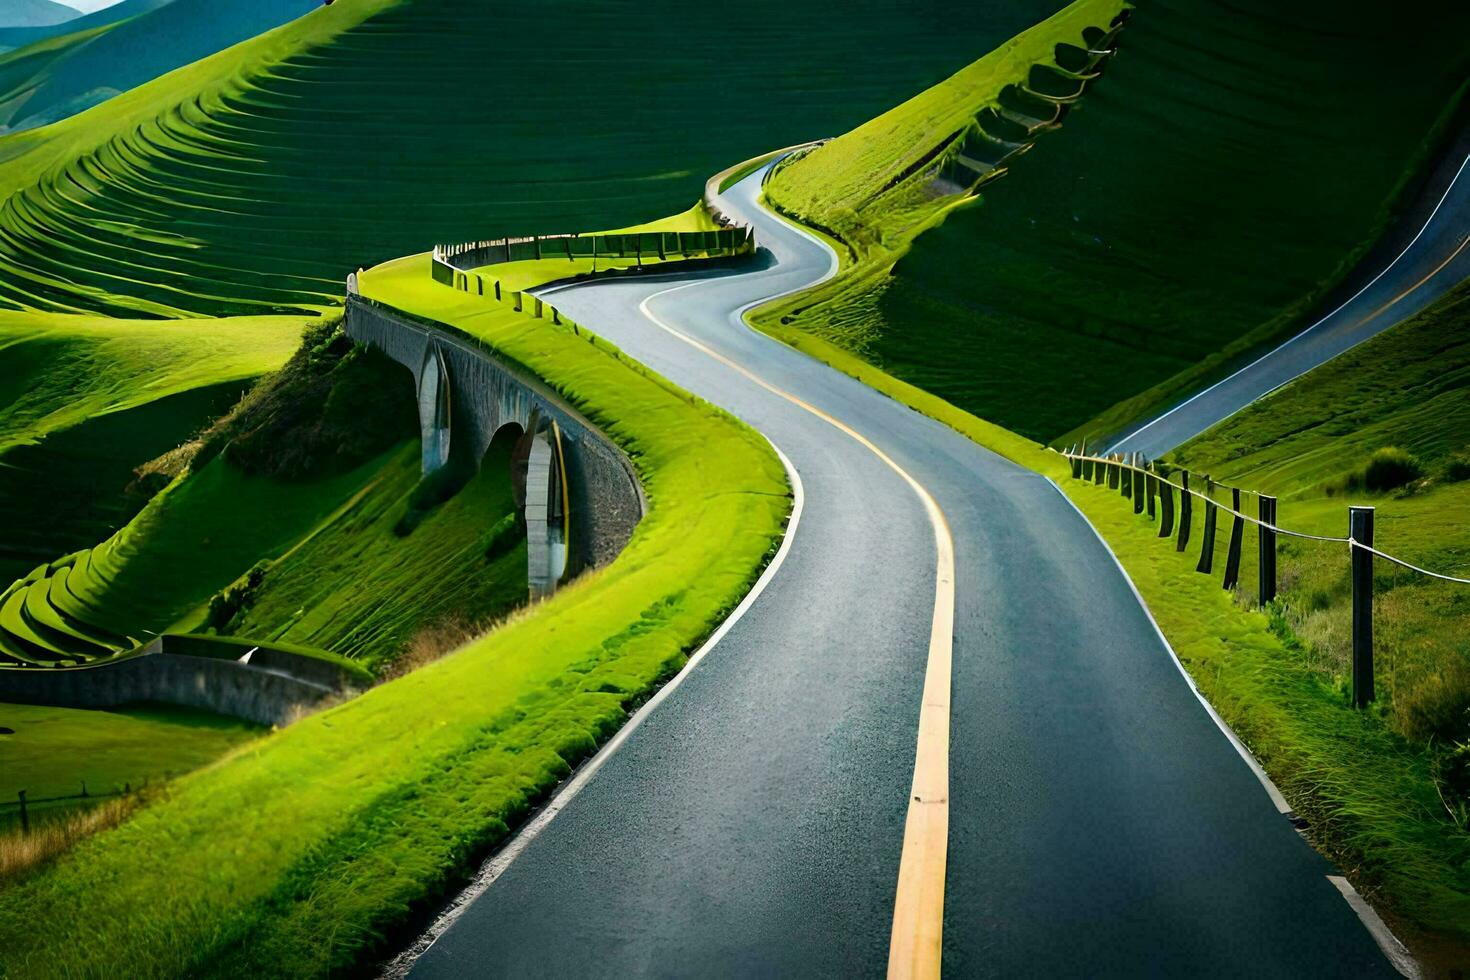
254 181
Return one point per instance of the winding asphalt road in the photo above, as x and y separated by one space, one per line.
1100 822
1433 262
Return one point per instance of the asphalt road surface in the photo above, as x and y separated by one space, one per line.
1099 821
1434 261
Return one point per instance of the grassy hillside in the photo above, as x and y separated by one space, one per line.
59 371
336 140
84 401
320 838
1204 193
53 751
1310 444
362 588
97 61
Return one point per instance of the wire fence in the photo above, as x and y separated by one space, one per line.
1154 493
22 805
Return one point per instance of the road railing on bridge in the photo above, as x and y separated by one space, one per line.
456 265
1152 492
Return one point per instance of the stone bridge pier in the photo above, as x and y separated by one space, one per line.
578 493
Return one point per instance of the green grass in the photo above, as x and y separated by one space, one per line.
59 371
1309 443
1221 176
224 187
84 401
848 185
297 854
359 589
78 485
55 750
198 536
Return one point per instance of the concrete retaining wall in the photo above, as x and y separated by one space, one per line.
270 690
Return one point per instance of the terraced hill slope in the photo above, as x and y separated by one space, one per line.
1203 194
253 181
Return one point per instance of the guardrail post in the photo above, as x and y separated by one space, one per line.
1266 538
1166 508
1139 481
1237 534
1115 475
1099 473
1151 487
1207 549
1125 477
1360 530
1075 463
25 818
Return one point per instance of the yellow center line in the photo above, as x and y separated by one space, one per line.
915 944
1428 276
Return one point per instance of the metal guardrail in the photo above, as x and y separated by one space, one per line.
1153 493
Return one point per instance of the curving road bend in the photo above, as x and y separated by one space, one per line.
752 822
1433 262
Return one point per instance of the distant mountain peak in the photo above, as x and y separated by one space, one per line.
35 13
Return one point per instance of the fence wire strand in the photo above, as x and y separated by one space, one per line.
1288 532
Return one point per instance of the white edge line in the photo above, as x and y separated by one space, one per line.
496 865
1291 340
1398 955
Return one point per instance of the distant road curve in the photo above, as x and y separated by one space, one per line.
1434 261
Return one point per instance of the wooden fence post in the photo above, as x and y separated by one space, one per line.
1237 535
1151 487
1207 549
1360 529
1140 485
1186 508
1266 538
1115 477
1166 508
1125 477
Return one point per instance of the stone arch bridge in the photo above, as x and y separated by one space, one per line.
579 493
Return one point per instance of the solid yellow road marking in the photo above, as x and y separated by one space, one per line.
918 912
1430 275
